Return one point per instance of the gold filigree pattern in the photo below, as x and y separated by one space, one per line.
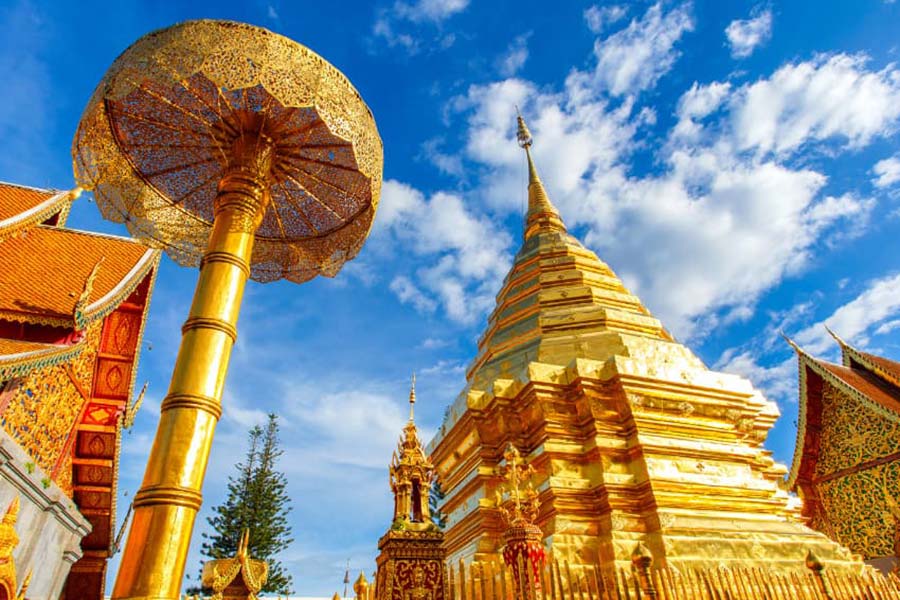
857 513
851 434
154 141
856 510
46 405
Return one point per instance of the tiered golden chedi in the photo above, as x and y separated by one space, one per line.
633 438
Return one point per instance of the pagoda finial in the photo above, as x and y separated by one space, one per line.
412 396
541 215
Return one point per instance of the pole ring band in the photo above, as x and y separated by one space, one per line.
168 495
207 404
208 323
225 257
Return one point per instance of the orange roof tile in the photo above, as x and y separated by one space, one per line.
871 387
16 199
890 367
46 269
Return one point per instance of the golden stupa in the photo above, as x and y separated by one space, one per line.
632 437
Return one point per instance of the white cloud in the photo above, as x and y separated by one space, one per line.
516 55
633 59
744 36
827 97
875 307
887 171
472 254
433 11
399 25
599 17
408 293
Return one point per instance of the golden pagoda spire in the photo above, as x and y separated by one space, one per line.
542 215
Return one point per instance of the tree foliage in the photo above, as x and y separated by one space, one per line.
257 500
435 497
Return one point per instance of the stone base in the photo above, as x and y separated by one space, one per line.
411 566
50 527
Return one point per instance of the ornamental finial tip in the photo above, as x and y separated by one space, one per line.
523 136
412 396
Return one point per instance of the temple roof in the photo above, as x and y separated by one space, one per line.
22 207
27 294
869 379
559 301
18 356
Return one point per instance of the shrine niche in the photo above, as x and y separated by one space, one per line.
411 554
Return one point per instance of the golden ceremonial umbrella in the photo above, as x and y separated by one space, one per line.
245 153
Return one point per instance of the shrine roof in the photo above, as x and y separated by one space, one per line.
874 388
865 384
49 268
19 356
22 206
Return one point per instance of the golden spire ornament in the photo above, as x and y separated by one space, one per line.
541 215
517 483
244 153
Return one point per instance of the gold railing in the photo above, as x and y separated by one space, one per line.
559 580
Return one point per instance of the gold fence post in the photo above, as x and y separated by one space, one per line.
815 565
642 559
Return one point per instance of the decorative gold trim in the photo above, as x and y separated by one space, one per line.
60 203
17 365
225 257
185 400
210 323
168 495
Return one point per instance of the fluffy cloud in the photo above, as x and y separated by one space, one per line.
392 25
633 59
745 35
827 97
471 253
515 56
887 172
599 17
870 312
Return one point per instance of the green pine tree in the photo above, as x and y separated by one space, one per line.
435 497
257 500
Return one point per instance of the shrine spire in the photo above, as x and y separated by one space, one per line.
412 398
541 216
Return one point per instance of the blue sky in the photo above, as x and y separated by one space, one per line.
736 163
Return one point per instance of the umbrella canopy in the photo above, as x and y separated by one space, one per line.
159 132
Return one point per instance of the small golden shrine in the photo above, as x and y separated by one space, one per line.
847 459
237 578
633 438
411 555
72 310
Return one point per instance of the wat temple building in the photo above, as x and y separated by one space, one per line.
72 310
632 437
847 458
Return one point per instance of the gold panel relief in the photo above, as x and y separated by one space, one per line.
852 434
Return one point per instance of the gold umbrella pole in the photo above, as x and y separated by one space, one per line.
167 503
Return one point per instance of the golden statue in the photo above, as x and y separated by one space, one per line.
517 477
244 153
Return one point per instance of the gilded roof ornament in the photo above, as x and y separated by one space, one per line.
542 216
